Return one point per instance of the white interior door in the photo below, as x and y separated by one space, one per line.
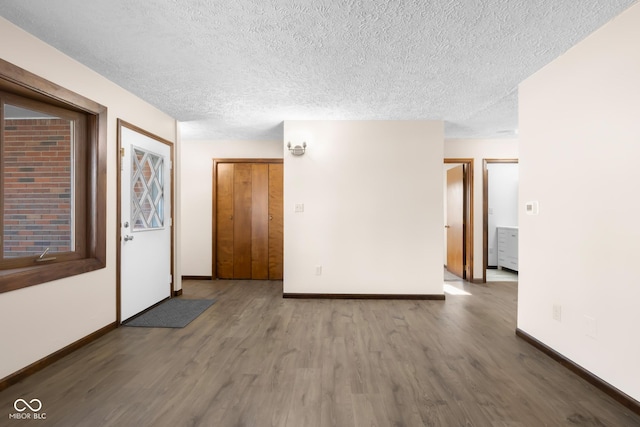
145 266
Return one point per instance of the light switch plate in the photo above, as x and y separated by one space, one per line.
299 207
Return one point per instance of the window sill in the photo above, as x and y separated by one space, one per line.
11 280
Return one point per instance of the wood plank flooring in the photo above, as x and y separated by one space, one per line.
256 359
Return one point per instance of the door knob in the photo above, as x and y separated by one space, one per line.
270 217
127 238
446 226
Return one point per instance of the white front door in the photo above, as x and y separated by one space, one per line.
145 266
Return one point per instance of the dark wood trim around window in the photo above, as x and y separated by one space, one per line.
22 83
78 151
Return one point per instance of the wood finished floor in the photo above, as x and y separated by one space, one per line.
256 359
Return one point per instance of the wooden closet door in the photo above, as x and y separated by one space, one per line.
224 221
249 221
242 221
276 222
260 221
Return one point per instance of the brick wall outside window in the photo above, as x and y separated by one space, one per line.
37 186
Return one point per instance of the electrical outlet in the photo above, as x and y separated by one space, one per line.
318 270
557 312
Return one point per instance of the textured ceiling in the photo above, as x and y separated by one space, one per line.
236 69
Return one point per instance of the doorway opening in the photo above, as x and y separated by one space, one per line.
500 220
458 214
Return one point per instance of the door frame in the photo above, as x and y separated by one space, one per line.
485 211
123 124
214 200
467 214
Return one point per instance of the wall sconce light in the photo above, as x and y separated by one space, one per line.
298 150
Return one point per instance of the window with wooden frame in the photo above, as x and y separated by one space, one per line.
52 181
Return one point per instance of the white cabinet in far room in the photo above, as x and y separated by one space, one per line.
508 247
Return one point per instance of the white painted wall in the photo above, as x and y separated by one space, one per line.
39 320
503 203
372 195
478 149
196 194
579 147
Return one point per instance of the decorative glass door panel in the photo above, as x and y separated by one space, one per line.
147 190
